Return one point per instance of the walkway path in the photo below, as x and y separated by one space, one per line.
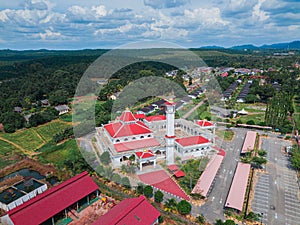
17 146
193 109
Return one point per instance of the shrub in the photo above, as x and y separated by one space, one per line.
184 207
148 191
158 196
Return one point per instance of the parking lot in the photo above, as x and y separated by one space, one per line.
260 203
276 190
292 204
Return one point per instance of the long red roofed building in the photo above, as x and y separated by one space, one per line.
237 192
45 207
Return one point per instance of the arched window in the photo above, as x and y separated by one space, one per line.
117 140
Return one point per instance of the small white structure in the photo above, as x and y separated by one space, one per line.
62 109
243 112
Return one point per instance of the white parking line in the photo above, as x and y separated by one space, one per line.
261 201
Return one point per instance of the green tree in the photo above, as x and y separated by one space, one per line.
184 207
116 178
126 182
219 222
171 204
105 158
148 191
200 219
158 196
140 189
295 159
229 222
250 122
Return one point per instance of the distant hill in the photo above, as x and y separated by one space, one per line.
212 47
289 45
242 47
294 45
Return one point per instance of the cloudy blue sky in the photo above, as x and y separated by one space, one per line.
78 24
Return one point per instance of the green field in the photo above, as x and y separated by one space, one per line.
7 153
257 118
26 139
57 154
226 135
49 130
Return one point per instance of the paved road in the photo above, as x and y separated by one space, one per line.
213 209
276 191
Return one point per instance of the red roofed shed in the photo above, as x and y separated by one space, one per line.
131 211
53 201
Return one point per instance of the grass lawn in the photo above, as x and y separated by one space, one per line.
257 118
66 117
26 139
226 135
48 130
57 154
7 153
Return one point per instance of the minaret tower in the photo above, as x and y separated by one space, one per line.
170 134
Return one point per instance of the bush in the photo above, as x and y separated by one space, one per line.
160 219
140 189
184 207
148 191
125 182
250 122
105 158
116 178
158 196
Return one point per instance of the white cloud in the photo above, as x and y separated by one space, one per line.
49 34
258 13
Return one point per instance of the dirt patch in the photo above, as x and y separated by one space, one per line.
30 164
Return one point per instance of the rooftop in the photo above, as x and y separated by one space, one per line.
53 201
138 144
207 177
204 123
127 116
249 142
119 129
130 211
156 118
144 154
236 195
190 141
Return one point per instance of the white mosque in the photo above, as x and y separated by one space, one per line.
148 139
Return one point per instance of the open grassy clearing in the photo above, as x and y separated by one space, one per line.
47 131
226 135
26 139
57 154
7 154
257 118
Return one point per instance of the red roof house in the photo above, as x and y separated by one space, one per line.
51 202
131 211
